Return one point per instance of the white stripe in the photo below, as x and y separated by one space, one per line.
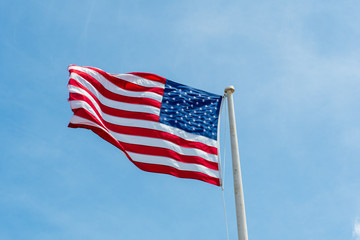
138 80
79 120
112 87
156 142
114 104
75 104
173 163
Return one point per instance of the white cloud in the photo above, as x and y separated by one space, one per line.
356 231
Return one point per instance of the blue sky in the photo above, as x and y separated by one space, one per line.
295 67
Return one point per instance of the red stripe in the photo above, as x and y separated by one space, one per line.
125 84
150 76
150 150
176 172
164 152
101 133
109 110
113 96
146 166
81 112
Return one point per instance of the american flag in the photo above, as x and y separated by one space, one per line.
160 125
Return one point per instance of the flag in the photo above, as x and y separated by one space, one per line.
160 125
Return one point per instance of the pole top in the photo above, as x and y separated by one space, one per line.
230 88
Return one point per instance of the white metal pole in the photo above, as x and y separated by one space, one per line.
238 187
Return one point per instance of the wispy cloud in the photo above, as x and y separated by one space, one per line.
88 19
356 231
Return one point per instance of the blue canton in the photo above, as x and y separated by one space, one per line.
190 109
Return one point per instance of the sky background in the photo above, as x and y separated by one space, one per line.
295 66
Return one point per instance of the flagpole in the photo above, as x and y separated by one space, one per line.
238 187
